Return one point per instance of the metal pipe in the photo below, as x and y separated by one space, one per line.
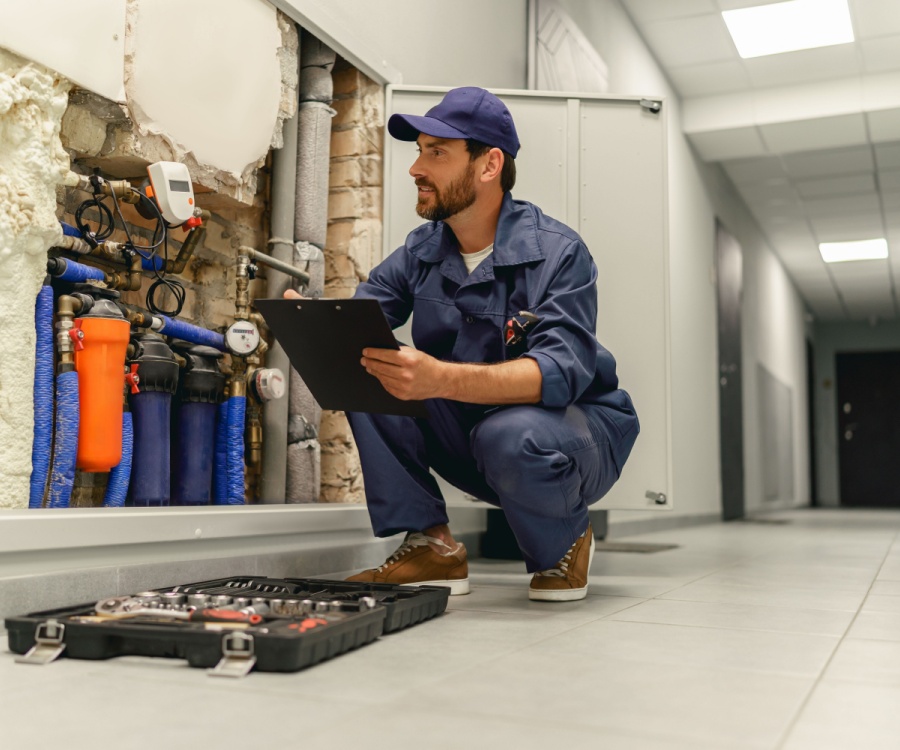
278 265
191 242
275 413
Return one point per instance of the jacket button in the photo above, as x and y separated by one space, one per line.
470 319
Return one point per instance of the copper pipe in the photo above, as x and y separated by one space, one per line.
194 238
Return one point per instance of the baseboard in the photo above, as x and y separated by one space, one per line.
658 522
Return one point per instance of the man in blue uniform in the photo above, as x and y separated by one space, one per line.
524 406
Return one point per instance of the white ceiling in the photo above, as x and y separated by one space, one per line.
811 139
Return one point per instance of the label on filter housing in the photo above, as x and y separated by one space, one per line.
242 337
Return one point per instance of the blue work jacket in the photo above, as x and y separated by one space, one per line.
539 265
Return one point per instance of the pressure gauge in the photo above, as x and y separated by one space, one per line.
171 189
242 338
268 384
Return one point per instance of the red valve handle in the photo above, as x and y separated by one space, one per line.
194 221
77 335
132 378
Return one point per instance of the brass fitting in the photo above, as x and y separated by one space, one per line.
194 238
67 308
242 284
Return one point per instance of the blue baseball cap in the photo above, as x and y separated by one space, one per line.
468 112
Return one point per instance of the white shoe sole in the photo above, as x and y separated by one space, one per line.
457 588
563 595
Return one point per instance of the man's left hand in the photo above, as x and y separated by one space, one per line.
408 374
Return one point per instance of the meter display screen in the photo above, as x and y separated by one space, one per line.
180 186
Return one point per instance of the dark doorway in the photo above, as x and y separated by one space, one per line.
729 285
811 409
869 428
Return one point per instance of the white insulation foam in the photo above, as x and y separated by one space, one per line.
32 163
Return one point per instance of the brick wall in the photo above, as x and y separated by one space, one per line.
353 243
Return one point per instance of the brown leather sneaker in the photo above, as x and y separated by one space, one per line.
567 581
415 563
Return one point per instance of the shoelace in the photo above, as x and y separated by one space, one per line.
413 539
562 567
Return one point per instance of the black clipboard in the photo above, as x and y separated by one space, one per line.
324 339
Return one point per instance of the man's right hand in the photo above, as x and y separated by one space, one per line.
291 294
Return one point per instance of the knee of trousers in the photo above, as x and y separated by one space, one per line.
514 450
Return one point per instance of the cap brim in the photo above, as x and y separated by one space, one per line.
409 127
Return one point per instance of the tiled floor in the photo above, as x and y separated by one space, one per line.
746 636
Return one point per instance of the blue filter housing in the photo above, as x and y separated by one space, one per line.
201 390
151 412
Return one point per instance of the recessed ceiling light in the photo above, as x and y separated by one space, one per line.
787 27
838 252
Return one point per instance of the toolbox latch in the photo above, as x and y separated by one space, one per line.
237 656
48 644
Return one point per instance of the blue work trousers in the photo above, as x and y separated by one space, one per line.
542 466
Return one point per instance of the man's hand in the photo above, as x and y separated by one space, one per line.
408 374
291 294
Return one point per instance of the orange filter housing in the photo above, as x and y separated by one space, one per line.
101 379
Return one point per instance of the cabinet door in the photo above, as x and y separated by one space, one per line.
599 165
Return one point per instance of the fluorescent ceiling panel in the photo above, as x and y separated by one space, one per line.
788 27
839 252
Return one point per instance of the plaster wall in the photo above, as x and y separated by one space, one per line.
32 162
83 41
466 43
772 325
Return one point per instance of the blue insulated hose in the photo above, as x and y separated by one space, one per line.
78 272
62 473
187 332
237 406
151 411
117 488
152 264
195 446
220 458
43 396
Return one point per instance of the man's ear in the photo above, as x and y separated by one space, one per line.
493 166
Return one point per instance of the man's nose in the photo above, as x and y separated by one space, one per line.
416 170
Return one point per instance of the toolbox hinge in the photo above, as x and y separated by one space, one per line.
237 656
48 644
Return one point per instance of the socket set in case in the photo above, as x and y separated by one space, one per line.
230 625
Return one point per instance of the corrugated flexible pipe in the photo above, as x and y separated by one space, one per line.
220 459
43 396
120 475
62 472
237 407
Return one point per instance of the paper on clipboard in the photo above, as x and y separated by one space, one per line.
324 339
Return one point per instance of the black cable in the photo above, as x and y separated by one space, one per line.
101 233
160 224
175 288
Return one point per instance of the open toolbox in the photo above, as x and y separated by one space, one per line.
229 625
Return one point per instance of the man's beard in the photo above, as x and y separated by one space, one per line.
459 195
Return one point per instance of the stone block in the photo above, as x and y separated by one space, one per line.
348 143
338 236
334 429
372 169
349 112
82 132
345 173
347 81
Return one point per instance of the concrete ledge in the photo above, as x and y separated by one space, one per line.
302 542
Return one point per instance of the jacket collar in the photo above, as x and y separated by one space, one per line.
515 242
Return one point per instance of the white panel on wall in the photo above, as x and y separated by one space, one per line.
228 119
84 41
598 164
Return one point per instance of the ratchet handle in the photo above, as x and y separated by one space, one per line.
224 615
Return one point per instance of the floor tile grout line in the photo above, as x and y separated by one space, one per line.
818 681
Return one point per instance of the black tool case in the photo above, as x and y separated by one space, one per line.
308 621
